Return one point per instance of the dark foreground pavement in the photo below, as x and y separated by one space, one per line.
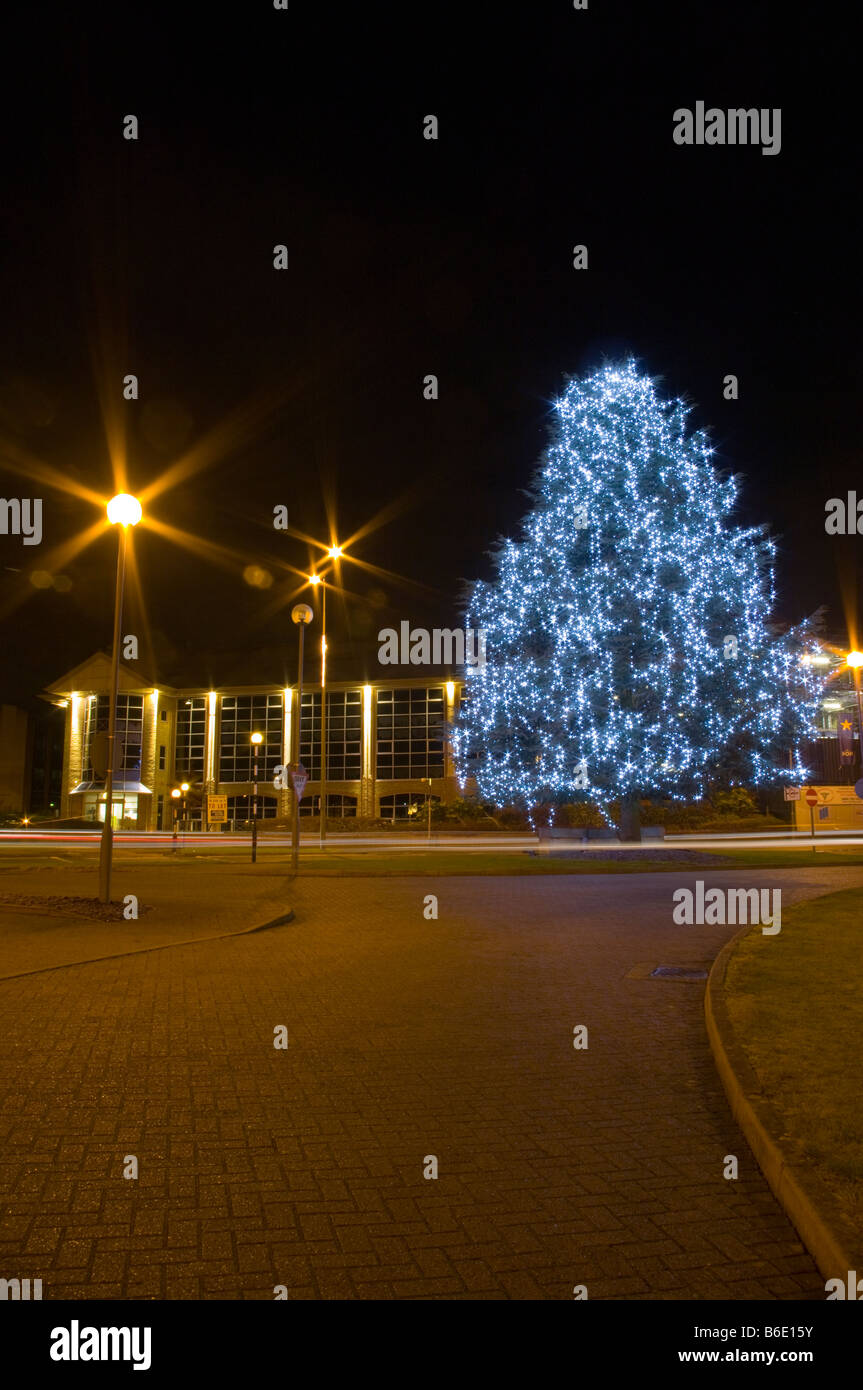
408 1038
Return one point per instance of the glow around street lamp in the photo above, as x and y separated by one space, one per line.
124 510
854 658
257 738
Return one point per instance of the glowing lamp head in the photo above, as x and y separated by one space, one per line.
335 552
124 510
855 658
314 579
175 792
184 786
301 613
257 738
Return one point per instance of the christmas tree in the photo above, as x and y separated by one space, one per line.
629 646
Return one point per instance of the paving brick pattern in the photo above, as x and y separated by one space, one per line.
407 1038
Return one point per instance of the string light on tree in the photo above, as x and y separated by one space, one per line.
630 649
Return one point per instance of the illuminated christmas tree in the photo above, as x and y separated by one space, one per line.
629 644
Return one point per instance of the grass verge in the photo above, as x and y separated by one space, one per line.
796 1006
411 863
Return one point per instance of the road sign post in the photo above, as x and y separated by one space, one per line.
299 777
811 802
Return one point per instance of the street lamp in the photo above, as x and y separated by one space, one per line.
257 740
334 552
302 615
855 661
123 511
175 796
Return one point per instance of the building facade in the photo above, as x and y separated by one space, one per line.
16 745
387 747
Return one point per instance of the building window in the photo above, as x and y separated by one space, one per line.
191 738
406 806
337 806
164 713
128 734
344 736
240 808
161 757
160 813
410 733
310 735
243 715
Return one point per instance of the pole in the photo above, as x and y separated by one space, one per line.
106 846
295 838
856 670
255 811
429 809
174 836
323 835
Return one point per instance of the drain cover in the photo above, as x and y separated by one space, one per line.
678 972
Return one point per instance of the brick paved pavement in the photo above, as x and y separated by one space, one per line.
183 904
407 1038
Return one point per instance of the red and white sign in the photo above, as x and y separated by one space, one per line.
811 796
299 778
792 793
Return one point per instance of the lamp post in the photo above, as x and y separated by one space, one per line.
302 615
175 797
184 787
335 552
257 740
316 580
855 661
123 511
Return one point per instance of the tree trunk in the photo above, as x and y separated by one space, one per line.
630 818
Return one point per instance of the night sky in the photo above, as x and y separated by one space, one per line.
406 257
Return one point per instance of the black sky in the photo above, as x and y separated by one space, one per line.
407 257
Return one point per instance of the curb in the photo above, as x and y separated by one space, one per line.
163 946
759 1122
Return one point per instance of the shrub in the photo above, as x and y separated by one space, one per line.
736 801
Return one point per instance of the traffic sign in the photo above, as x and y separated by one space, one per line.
217 809
299 778
792 793
811 796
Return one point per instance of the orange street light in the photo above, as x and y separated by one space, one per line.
123 511
855 661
